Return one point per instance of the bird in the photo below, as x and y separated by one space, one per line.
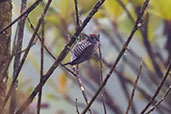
84 49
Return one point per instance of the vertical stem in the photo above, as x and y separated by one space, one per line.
76 70
41 67
133 90
101 79
17 47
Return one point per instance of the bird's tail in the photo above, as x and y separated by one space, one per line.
66 64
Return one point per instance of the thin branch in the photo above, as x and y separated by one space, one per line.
133 91
45 47
77 15
161 100
136 26
158 89
76 105
101 79
60 58
26 12
76 70
41 67
18 48
26 53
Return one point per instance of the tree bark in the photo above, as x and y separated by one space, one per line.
5 19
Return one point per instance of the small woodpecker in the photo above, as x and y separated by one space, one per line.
84 49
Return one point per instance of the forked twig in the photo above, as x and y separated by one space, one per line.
158 89
161 100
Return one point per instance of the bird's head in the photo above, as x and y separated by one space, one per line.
94 37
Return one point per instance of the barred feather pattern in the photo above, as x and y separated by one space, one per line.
83 50
79 48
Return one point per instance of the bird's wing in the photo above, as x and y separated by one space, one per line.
75 53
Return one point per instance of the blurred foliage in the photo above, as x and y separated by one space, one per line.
162 8
136 2
62 82
111 21
113 9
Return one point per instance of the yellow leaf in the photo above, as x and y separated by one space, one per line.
113 8
66 8
162 8
149 63
62 81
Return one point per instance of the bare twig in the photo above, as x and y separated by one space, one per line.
136 26
60 57
26 53
26 12
41 67
158 89
17 48
161 100
76 105
101 79
76 70
45 47
133 91
77 15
